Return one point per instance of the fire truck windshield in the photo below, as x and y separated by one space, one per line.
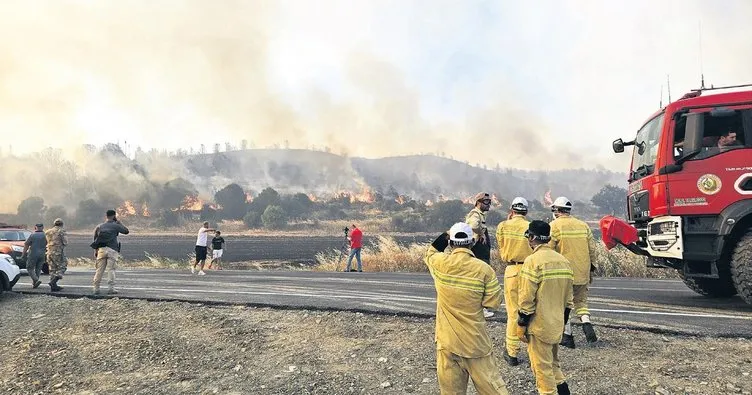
646 148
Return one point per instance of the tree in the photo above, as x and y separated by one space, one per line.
233 201
611 200
252 219
89 212
53 213
274 217
31 210
297 206
445 214
265 198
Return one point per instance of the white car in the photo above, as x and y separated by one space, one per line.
9 273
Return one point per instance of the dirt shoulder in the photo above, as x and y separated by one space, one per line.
86 346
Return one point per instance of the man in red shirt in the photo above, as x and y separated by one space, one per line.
356 242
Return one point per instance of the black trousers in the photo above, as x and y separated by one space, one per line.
483 251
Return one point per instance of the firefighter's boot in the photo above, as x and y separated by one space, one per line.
512 361
589 332
563 389
567 341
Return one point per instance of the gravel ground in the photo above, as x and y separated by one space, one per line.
56 345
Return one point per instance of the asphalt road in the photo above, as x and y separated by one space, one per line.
655 305
297 249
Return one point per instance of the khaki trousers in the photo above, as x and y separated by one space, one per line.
106 259
453 371
544 361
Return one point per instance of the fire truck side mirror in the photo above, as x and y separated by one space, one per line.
618 146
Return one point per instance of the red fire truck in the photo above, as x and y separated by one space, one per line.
689 203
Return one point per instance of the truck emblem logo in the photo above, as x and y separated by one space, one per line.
709 184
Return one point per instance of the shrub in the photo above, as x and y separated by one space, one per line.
274 217
252 219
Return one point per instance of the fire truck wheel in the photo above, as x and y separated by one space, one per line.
711 287
741 266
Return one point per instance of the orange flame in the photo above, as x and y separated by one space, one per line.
126 209
365 196
312 197
145 210
248 197
495 200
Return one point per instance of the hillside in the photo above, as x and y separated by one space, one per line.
420 176
108 177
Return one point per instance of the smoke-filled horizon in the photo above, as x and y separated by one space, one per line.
544 86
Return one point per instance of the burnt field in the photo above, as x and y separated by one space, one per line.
297 249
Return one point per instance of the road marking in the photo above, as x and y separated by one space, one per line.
427 284
401 298
733 317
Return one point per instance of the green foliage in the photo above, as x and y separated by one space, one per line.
265 198
297 206
252 219
169 218
274 217
443 215
31 210
407 222
232 200
611 200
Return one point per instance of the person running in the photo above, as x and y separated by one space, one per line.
202 242
218 243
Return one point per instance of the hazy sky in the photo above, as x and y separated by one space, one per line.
544 84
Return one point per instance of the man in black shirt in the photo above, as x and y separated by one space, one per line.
217 249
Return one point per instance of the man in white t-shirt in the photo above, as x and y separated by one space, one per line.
202 241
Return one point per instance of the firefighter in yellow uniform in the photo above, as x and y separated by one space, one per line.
464 286
513 249
573 238
545 303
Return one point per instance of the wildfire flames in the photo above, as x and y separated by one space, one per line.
364 196
128 208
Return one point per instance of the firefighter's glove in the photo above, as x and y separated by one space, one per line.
522 322
441 242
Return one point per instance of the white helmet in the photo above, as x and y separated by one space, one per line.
461 234
519 204
561 202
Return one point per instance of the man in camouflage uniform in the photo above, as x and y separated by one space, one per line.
476 218
56 242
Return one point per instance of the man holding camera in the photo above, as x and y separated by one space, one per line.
108 250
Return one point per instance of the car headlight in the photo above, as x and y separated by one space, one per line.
17 248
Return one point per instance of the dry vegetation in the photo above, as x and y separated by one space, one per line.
386 255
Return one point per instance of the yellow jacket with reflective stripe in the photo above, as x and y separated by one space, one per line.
464 286
510 236
545 290
476 218
574 239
